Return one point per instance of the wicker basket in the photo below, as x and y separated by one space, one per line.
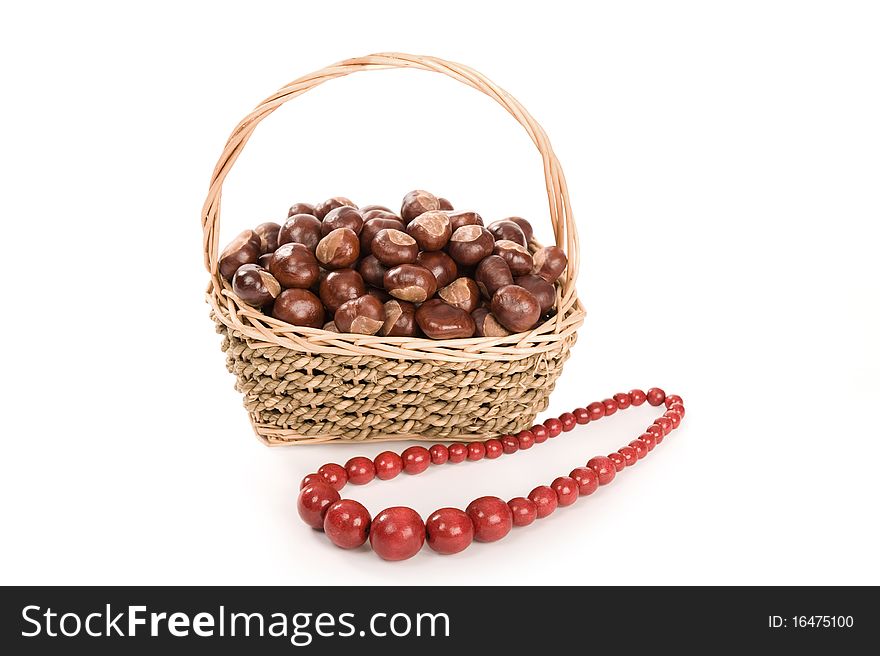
303 385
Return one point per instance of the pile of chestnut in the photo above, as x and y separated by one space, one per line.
428 270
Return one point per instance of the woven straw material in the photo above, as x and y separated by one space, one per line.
306 385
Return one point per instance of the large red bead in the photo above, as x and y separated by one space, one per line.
360 470
586 480
672 399
439 454
665 423
637 396
581 416
610 406
476 451
458 452
388 465
604 469
310 478
655 396
540 432
566 490
416 459
554 426
545 500
333 475
629 455
494 449
525 439
656 431
347 523
397 533
491 517
449 530
674 417
617 459
312 503
677 407
510 444
640 447
568 421
524 511
596 410
649 439
623 400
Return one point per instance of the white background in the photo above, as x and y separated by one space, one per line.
723 164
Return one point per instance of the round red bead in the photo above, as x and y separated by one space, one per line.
610 406
586 480
568 421
665 424
640 447
674 417
476 451
494 449
524 511
596 410
554 427
347 523
604 469
566 490
510 444
623 400
672 399
655 396
416 459
677 407
649 439
333 475
491 517
617 459
545 500
360 470
629 455
449 530
310 478
525 439
312 503
397 533
388 465
581 416
458 452
656 431
439 454
540 432
637 397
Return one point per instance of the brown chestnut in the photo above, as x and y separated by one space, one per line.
293 265
439 320
431 230
254 285
268 234
371 229
506 229
341 286
400 319
380 214
410 282
342 217
363 316
516 308
244 249
458 219
487 325
462 293
372 271
417 202
322 209
470 244
392 247
544 291
440 264
302 229
492 274
550 262
524 225
299 307
339 249
517 257
444 204
301 208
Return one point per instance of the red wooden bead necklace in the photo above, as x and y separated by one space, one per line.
399 533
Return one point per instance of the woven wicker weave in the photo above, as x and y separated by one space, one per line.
304 385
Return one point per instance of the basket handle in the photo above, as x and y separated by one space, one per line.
564 229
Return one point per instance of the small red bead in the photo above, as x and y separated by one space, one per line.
672 399
610 406
476 451
596 410
388 465
637 396
554 427
604 469
313 501
656 431
525 439
457 452
649 439
545 500
623 400
655 396
640 447
629 455
439 454
347 523
524 511
581 416
360 470
586 480
617 459
674 417
449 530
397 533
677 407
566 490
333 475
665 424
491 517
568 421
540 432
310 478
510 444
494 449
416 459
